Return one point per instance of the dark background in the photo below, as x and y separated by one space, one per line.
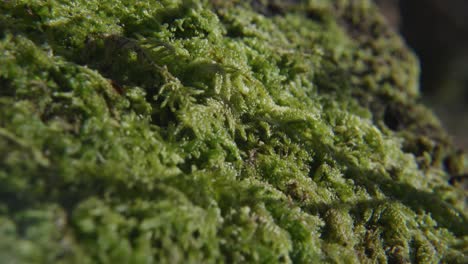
437 31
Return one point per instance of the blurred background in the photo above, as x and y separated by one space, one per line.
437 31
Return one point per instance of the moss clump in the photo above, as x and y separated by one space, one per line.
218 131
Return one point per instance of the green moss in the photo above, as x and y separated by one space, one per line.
218 131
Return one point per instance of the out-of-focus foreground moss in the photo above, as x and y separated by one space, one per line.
218 131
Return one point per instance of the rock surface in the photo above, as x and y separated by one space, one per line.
219 131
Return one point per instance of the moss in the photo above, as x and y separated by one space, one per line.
218 131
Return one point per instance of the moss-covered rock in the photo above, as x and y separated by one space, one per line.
218 131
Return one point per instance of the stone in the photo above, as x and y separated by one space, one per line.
219 131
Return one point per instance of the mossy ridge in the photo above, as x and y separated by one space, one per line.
171 130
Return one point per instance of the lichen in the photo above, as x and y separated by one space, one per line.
218 131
